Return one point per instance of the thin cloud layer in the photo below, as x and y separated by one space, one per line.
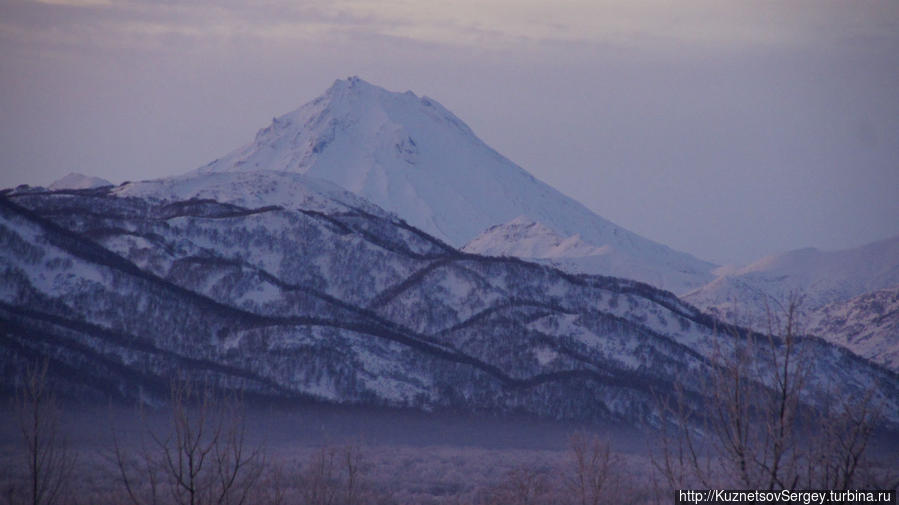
498 24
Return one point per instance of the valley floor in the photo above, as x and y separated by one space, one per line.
313 453
326 455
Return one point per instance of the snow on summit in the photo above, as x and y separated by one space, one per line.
411 156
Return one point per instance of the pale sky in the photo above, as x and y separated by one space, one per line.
726 129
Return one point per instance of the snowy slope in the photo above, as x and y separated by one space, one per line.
411 156
527 239
124 286
78 181
867 324
821 277
524 238
251 189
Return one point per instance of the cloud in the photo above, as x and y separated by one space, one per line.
499 24
136 23
77 3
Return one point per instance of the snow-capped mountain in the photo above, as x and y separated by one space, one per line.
332 299
78 181
412 157
290 269
867 324
819 277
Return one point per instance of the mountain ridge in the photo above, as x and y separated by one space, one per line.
328 303
819 277
867 324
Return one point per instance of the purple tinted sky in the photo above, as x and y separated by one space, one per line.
727 129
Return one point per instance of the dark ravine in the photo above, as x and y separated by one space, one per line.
345 307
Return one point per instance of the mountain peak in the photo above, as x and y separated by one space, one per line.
413 157
75 180
522 221
525 238
355 98
399 150
356 85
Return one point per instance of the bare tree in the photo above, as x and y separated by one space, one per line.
679 457
335 476
321 480
592 481
202 459
840 457
272 486
754 429
756 402
523 485
49 463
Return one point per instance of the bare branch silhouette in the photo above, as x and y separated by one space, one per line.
49 462
202 459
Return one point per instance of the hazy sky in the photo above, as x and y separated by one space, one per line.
727 129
